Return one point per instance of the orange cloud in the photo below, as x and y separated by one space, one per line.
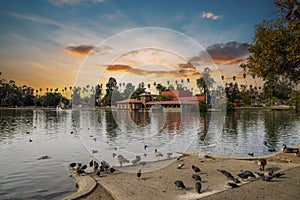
81 50
184 70
210 15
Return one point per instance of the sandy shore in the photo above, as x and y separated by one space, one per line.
159 184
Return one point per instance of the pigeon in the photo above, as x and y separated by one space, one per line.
271 150
198 187
246 174
261 163
180 166
268 144
196 169
91 163
196 177
112 170
72 165
136 160
179 184
169 155
261 174
158 154
122 160
96 165
94 151
226 173
232 185
251 154
268 178
139 173
101 168
278 174
98 173
83 167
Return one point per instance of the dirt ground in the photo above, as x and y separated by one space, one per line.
159 184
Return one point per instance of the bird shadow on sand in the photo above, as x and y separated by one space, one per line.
145 178
189 188
273 168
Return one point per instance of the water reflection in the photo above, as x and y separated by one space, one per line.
57 134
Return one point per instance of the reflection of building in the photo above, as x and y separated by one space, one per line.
173 99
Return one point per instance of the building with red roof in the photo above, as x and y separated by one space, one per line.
174 99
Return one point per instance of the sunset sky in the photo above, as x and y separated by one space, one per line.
56 43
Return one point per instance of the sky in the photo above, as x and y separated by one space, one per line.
62 43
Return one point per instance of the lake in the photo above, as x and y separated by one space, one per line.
81 135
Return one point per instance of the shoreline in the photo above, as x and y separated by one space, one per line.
159 184
281 107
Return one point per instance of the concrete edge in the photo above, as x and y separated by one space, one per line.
86 185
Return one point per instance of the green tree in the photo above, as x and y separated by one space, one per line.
111 86
129 88
137 92
160 88
205 82
275 52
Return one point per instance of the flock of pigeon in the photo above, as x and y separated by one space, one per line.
104 167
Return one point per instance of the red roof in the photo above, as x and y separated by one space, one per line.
130 101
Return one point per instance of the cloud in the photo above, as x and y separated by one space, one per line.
73 2
210 15
231 53
182 71
81 50
38 19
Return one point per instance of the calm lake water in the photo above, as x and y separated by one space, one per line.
80 136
